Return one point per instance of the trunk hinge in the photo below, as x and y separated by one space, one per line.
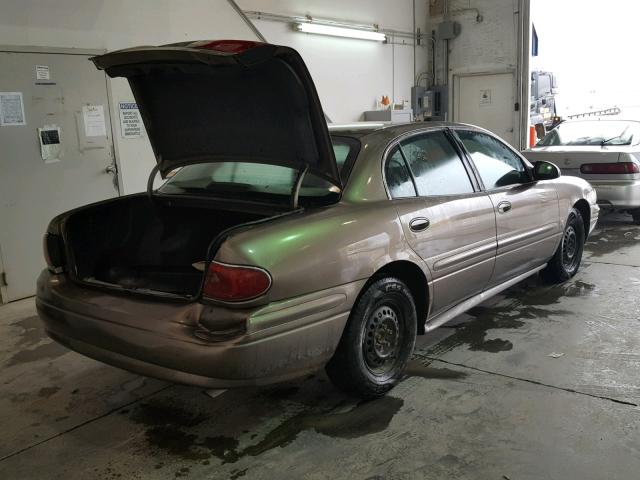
295 192
3 279
152 177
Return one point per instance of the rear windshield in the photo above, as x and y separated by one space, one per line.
592 133
261 182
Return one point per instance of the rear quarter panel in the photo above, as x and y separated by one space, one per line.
316 250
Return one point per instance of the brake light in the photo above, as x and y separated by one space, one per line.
610 168
235 283
228 46
54 252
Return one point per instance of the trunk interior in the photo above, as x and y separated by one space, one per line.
138 244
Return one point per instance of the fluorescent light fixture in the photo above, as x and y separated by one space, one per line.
340 31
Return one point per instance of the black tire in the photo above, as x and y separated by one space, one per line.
566 261
636 215
377 341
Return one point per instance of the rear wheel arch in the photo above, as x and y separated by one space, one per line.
414 278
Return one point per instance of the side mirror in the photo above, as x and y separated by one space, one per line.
545 171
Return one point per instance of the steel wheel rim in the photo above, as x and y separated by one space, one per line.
570 248
382 340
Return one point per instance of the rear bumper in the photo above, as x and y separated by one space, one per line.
620 194
279 341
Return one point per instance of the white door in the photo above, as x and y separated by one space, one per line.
487 101
65 96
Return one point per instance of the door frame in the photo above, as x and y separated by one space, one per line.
4 48
3 290
523 78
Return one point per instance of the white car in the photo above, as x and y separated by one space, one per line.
606 153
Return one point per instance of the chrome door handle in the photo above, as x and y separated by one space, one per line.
111 168
504 207
419 224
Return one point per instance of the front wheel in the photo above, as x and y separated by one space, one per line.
636 216
377 342
566 261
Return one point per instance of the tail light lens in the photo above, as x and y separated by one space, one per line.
235 283
54 252
610 168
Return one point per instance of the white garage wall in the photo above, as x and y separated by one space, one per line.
349 74
114 24
490 45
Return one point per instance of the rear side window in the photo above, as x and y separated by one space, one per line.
436 166
341 151
398 176
497 165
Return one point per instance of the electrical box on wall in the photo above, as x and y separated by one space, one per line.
430 104
448 30
418 99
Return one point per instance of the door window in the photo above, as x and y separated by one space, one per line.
398 177
436 166
497 164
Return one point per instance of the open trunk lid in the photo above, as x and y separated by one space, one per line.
227 100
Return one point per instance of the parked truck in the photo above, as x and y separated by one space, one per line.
542 108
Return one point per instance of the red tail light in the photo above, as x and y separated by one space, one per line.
610 168
228 46
235 283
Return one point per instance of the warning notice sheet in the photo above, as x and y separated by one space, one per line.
130 121
11 109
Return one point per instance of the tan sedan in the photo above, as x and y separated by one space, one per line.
281 246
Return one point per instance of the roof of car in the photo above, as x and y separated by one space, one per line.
360 129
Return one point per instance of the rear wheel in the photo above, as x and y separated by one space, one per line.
566 261
377 341
636 215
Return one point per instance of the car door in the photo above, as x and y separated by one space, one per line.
527 212
446 219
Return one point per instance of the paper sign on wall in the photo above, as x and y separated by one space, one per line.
130 120
11 109
485 97
49 136
42 72
94 123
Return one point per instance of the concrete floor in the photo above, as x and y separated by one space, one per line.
483 399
